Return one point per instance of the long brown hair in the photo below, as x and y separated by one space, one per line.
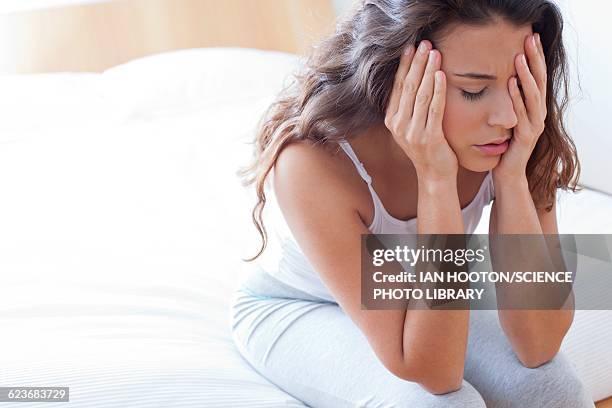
346 81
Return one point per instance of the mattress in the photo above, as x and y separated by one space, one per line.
123 225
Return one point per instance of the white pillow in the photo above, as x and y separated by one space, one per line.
196 78
39 101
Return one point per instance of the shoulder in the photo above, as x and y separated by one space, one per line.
306 167
297 154
311 177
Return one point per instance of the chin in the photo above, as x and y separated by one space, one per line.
479 164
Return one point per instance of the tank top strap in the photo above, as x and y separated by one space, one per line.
359 165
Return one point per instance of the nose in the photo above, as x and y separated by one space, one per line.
501 111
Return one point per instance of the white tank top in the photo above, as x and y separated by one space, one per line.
284 260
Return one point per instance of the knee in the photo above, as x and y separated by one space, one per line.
554 383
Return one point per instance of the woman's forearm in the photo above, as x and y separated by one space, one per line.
515 211
439 209
535 335
435 341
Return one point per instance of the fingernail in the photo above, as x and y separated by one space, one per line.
423 47
533 40
432 56
408 50
537 36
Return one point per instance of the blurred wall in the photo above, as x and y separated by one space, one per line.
77 35
342 6
586 35
11 6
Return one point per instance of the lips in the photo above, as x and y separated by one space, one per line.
494 142
494 149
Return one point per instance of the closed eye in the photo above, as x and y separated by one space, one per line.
472 96
475 96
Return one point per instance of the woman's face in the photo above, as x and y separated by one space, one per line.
488 114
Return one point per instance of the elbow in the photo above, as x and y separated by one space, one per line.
438 387
534 350
433 381
534 358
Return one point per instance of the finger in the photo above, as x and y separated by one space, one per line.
529 85
537 64
517 101
544 70
438 103
425 93
398 84
411 83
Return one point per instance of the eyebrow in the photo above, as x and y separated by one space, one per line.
476 75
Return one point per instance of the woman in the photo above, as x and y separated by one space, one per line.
410 119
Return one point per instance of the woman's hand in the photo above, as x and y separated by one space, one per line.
531 117
415 111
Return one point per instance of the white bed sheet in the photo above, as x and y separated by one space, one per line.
123 224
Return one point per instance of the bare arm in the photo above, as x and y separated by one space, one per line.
437 339
535 335
433 339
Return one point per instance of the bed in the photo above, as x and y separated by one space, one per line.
123 224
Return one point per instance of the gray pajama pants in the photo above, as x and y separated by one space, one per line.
312 350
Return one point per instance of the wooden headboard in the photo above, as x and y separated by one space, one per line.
93 37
